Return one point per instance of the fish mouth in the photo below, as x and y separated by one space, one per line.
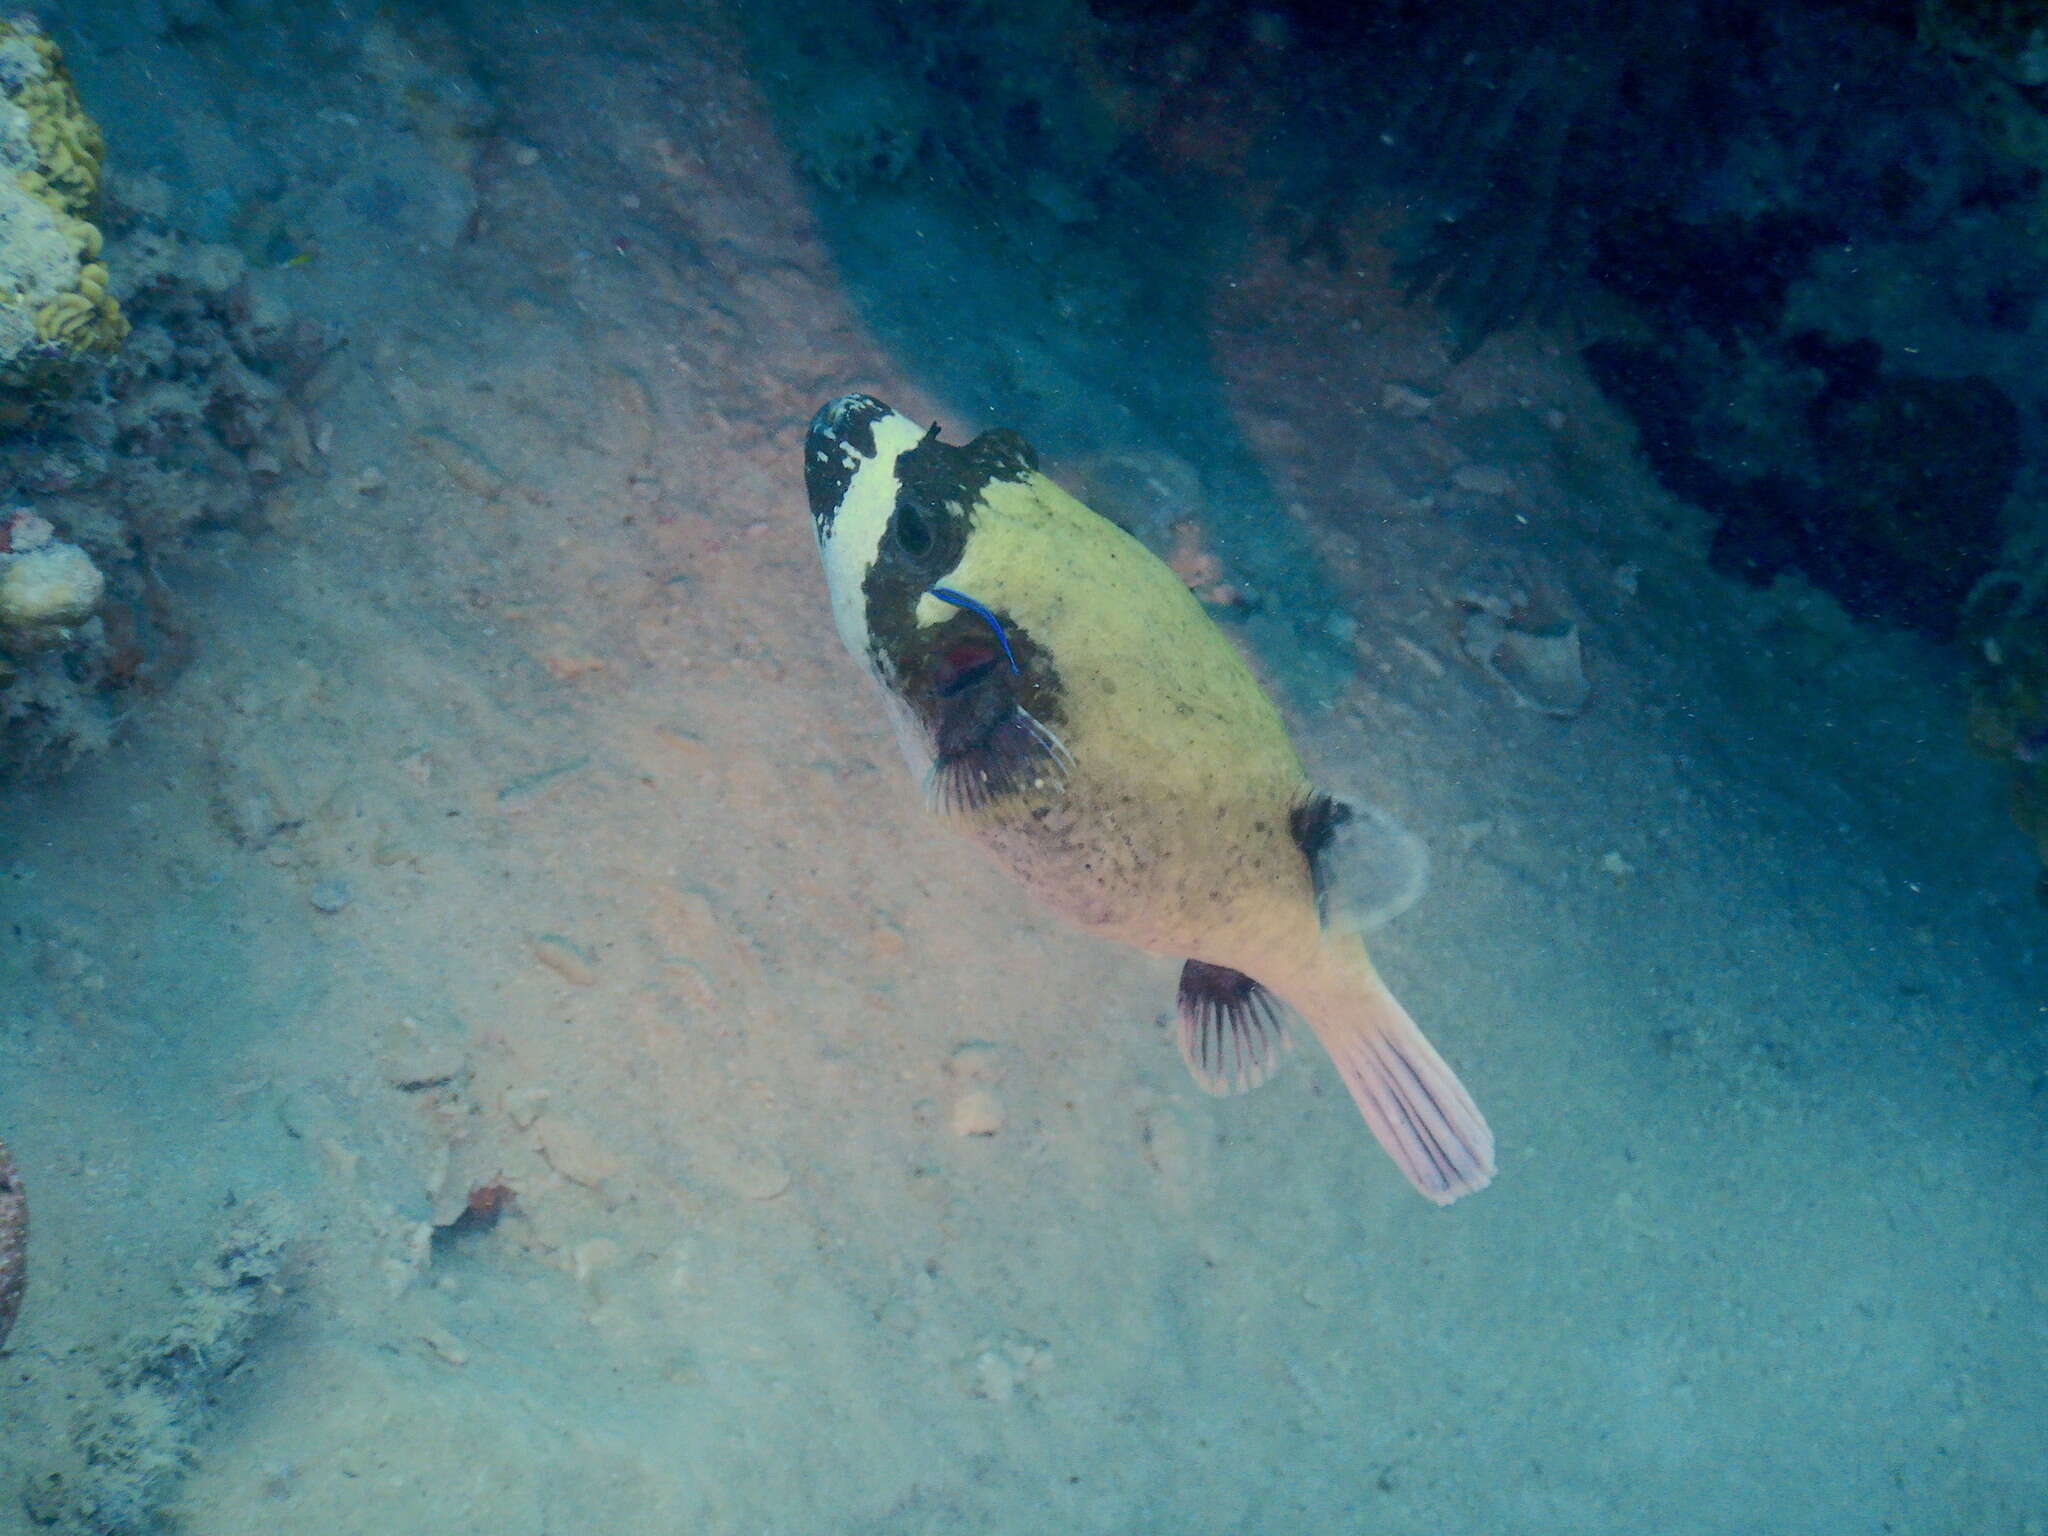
841 439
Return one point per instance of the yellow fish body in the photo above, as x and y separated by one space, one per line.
1072 709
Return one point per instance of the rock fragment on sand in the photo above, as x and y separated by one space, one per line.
523 1105
13 1241
592 1258
1542 669
575 1153
1614 865
1517 629
411 1064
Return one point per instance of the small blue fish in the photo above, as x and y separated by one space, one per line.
959 600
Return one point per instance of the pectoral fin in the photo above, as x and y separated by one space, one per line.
985 744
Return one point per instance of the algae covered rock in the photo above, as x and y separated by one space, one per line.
138 1417
54 304
45 585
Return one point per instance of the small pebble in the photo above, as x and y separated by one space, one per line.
600 1253
575 1153
445 1346
343 1160
977 1112
411 1065
565 960
1404 400
992 1377
329 896
1482 480
761 1178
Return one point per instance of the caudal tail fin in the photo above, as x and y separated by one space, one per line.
1413 1102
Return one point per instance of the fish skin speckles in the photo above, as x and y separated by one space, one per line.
1070 707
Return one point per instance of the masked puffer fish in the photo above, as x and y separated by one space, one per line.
1071 708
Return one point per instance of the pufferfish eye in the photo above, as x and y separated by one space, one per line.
912 530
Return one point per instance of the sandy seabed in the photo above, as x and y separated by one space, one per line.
519 826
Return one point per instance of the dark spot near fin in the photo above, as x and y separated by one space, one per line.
954 475
950 684
1003 455
987 744
1314 824
1232 1030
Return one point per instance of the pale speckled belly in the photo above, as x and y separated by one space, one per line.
1187 881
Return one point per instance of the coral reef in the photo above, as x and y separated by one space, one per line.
193 422
135 1435
109 451
979 96
1999 49
55 303
1885 489
2006 625
13 1241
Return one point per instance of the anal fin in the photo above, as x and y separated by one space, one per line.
1232 1031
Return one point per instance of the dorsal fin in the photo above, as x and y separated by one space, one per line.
1314 825
1364 866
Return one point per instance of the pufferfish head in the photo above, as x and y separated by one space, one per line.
894 509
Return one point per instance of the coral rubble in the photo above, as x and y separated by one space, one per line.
13 1241
135 1434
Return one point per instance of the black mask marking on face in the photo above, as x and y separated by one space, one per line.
937 486
841 439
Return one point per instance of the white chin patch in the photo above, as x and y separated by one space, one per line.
858 527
